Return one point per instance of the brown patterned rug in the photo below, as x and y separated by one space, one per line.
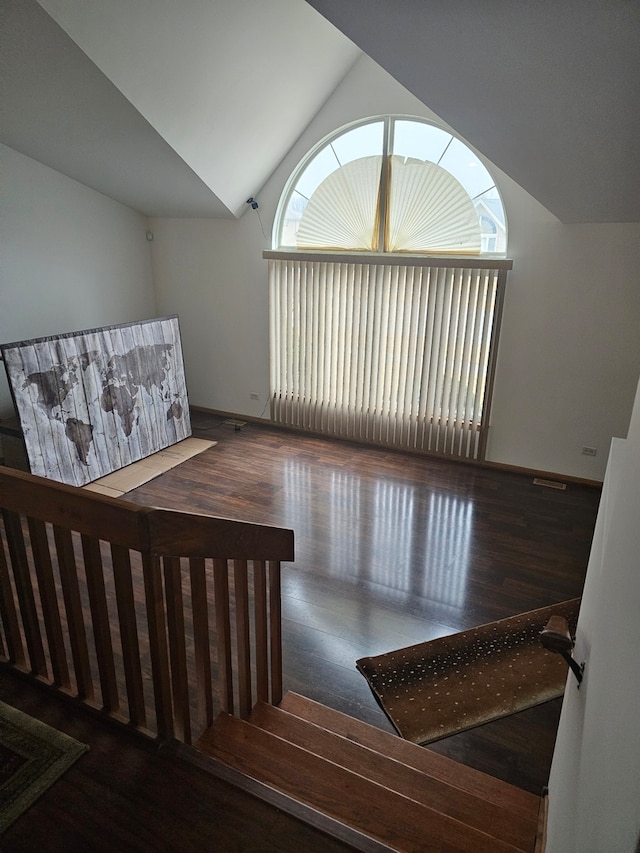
32 757
445 686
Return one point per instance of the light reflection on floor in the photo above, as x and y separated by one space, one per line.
371 533
387 544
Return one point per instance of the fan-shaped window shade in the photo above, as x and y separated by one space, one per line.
342 212
425 191
429 211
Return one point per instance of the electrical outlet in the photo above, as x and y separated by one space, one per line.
589 451
254 396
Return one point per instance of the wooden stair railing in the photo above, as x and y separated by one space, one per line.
152 616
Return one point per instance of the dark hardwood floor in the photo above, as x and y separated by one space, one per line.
391 549
126 796
394 549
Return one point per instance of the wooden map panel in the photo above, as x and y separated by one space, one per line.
94 401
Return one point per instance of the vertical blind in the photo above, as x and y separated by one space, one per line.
394 351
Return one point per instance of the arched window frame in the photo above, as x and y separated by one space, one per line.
388 123
394 348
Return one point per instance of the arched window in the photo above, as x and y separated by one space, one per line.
390 184
387 277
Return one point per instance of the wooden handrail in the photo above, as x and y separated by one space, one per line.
156 617
161 531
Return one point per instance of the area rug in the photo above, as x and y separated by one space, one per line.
445 686
32 757
126 479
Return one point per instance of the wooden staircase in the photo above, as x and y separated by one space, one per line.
178 581
369 788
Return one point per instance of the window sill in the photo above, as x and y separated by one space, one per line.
397 259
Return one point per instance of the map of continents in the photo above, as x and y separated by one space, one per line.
104 407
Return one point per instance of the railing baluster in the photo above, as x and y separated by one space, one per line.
128 634
73 608
261 630
154 599
200 610
177 648
241 589
101 628
24 590
49 599
223 633
275 625
8 613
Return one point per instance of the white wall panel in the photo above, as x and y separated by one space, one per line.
70 258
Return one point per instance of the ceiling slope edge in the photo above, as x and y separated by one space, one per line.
228 84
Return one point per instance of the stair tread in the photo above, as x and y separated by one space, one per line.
468 807
488 788
386 816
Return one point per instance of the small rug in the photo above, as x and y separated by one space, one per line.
445 686
32 757
126 479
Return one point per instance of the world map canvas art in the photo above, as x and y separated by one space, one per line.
94 401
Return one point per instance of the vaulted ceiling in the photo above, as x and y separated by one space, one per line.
186 109
173 108
548 91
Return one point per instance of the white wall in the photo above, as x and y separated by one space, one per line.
70 258
211 273
594 787
570 353
569 358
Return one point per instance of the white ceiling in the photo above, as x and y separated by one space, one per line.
59 109
186 108
548 91
175 109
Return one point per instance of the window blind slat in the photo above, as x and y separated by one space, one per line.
393 354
